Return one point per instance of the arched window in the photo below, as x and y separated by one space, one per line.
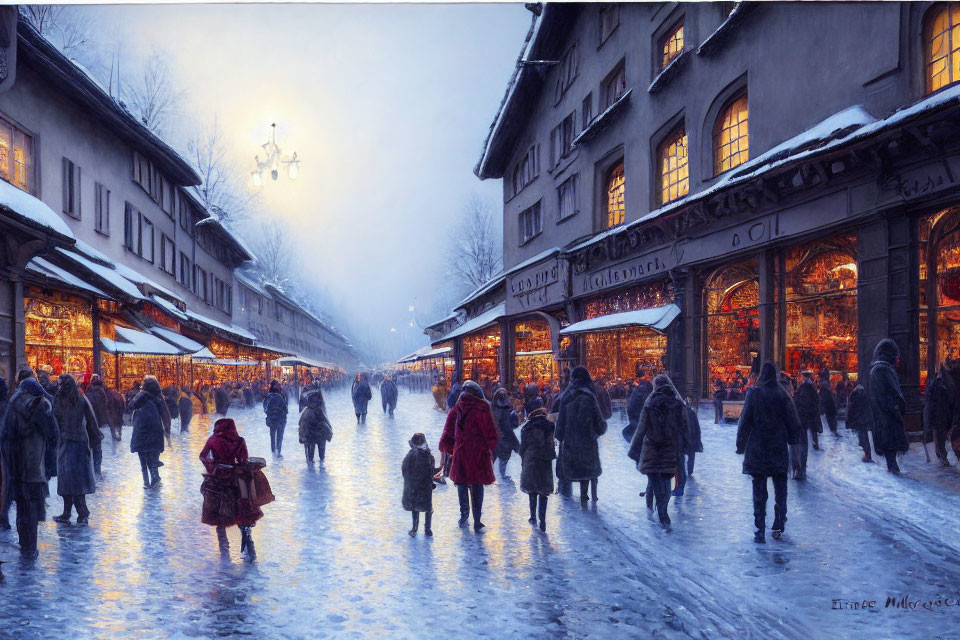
730 137
942 46
616 207
671 45
674 172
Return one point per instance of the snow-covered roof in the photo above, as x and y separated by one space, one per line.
251 283
139 278
31 210
435 353
93 254
307 362
204 354
230 328
109 275
168 306
137 342
475 324
45 268
657 318
185 343
228 234
486 287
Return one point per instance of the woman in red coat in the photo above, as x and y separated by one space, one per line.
470 437
224 456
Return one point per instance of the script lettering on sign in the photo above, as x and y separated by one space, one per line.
629 271
536 287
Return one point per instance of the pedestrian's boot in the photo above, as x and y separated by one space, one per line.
83 513
222 541
67 510
533 509
593 489
416 524
867 458
116 433
583 491
154 477
542 512
758 537
427 521
246 544
502 465
146 477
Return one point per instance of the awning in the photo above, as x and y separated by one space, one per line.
104 272
31 210
235 363
435 353
480 322
137 342
169 307
196 317
204 354
306 362
658 319
185 343
49 270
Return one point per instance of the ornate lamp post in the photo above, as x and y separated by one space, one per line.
275 158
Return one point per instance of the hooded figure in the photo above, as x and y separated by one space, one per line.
29 428
940 411
768 424
275 406
579 425
185 408
150 421
315 429
806 402
102 413
221 399
78 432
116 408
694 446
360 393
417 470
634 406
888 404
660 439
388 395
470 438
860 419
507 421
223 503
537 451
828 404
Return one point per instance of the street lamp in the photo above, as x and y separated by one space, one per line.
275 158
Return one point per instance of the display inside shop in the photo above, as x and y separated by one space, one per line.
481 354
646 296
939 249
625 354
58 332
534 357
733 322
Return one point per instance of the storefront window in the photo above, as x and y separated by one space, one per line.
939 237
533 354
58 333
626 353
636 298
733 321
481 354
821 314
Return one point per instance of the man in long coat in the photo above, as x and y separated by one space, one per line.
888 404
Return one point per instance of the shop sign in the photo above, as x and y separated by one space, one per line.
924 180
536 287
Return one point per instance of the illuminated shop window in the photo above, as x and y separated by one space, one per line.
481 354
671 45
732 296
942 46
939 249
730 136
616 206
533 357
16 157
674 172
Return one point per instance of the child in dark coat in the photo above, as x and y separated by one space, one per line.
418 483
537 452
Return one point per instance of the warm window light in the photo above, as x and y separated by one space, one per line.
257 181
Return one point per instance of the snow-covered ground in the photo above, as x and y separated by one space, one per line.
335 559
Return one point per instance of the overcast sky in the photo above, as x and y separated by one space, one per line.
386 105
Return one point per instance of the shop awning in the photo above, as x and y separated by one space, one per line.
658 319
435 353
137 342
106 273
49 270
186 344
306 362
196 317
204 354
235 363
482 321
31 210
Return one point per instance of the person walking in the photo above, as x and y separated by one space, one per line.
360 393
78 430
940 412
807 405
185 408
221 399
275 406
507 421
638 396
538 450
768 424
860 419
719 395
417 470
388 395
96 395
694 446
470 438
579 425
116 408
151 420
660 441
315 430
828 404
887 404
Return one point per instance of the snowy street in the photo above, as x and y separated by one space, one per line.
335 559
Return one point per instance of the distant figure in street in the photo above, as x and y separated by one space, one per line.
247 394
531 394
116 407
694 446
719 395
315 429
29 427
360 393
768 424
660 440
454 394
635 404
537 453
275 406
418 484
940 412
78 431
470 438
507 421
96 395
151 420
579 425
388 395
185 408
807 405
888 405
170 393
603 398
221 399
828 404
860 419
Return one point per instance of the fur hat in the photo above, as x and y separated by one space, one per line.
418 441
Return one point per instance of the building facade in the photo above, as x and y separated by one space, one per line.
687 189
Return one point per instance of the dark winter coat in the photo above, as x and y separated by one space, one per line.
538 450
453 396
859 414
507 422
634 406
603 400
886 400
221 400
768 424
388 394
314 426
939 405
116 407
170 394
662 433
185 409
247 395
97 395
417 469
150 419
808 407
828 404
470 438
360 393
694 441
29 428
579 425
78 433
275 406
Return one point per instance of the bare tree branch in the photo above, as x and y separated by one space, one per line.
67 28
276 254
223 191
476 251
153 94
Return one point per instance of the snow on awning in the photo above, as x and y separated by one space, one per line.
480 322
204 354
306 362
169 307
47 269
234 329
137 342
185 343
435 353
658 319
108 274
31 210
236 363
